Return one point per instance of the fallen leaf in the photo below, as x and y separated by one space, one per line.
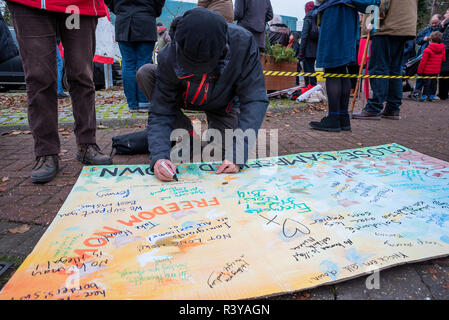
101 127
4 179
3 189
15 133
22 229
431 270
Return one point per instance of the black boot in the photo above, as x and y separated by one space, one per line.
45 169
345 122
91 154
330 123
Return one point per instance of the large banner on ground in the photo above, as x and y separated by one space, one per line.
282 224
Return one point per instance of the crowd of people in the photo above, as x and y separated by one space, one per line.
208 60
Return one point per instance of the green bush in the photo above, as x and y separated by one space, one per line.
281 54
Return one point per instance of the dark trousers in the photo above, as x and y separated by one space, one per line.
430 85
309 66
443 87
338 91
216 119
36 32
386 59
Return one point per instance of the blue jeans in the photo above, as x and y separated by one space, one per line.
386 59
134 56
60 66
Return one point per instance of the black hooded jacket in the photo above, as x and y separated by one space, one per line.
135 19
236 82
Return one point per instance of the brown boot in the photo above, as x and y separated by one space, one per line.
91 154
45 169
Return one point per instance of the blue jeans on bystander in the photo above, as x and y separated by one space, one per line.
386 59
60 66
134 56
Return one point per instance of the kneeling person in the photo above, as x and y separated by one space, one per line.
213 67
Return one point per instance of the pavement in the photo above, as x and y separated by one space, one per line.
26 210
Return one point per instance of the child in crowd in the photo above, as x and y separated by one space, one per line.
433 56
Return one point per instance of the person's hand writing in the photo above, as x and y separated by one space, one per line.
161 173
227 167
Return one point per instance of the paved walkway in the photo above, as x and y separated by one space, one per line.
424 127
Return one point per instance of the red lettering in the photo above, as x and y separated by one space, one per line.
188 205
146 215
201 204
100 242
214 202
160 211
173 207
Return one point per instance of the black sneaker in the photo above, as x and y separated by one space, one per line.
45 169
91 154
329 124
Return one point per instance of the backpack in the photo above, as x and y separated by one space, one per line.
131 143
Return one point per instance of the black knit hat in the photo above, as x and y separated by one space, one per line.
200 37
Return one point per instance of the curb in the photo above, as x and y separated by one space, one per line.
123 123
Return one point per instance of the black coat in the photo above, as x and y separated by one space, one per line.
9 49
135 19
309 37
253 14
237 82
445 64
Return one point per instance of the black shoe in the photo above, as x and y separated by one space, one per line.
365 115
45 169
91 154
390 115
329 124
345 122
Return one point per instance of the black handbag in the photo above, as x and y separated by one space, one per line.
131 143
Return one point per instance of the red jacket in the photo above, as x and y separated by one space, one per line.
86 7
432 58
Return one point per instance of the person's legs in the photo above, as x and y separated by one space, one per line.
298 69
309 66
146 79
394 96
427 83
433 88
144 55
129 68
338 93
36 35
79 50
379 65
443 85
